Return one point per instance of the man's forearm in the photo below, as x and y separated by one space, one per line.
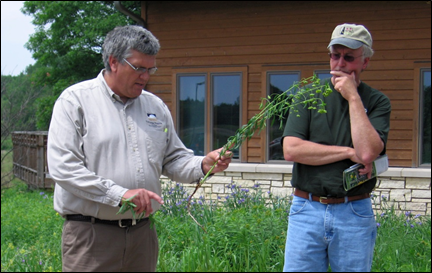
366 141
310 153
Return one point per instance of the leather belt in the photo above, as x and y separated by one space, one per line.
330 200
123 223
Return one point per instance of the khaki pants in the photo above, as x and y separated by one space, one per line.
102 247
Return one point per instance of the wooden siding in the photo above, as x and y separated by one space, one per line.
265 35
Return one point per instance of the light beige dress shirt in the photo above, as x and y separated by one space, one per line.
99 147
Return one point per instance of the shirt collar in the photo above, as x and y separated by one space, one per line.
108 91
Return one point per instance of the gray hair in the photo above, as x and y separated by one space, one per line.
367 51
121 40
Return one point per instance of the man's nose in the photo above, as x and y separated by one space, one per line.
145 75
341 62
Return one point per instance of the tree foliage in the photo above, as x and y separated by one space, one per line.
18 94
67 44
17 106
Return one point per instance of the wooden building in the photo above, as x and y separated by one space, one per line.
253 46
218 59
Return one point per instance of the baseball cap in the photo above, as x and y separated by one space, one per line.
350 35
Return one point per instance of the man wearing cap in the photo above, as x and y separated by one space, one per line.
329 226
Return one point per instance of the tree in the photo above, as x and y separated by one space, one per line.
67 44
18 94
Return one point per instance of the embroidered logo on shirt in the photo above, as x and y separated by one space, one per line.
153 122
151 117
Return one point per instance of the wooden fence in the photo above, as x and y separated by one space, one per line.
29 158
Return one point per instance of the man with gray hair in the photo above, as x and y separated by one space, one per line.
110 140
329 225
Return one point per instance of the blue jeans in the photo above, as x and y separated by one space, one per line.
341 235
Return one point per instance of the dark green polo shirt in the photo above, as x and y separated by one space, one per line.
333 128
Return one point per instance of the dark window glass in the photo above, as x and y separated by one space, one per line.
226 108
425 117
278 82
323 74
191 116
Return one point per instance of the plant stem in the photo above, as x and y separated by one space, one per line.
276 106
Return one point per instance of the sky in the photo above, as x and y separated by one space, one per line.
15 31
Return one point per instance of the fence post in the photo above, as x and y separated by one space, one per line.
40 167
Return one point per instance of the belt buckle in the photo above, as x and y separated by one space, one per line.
122 226
323 200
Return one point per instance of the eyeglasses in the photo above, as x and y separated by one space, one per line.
142 70
347 58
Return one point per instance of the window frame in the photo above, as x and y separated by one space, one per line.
420 116
209 72
176 117
417 132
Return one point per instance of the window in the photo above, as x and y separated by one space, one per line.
425 117
278 82
208 102
226 90
191 117
323 74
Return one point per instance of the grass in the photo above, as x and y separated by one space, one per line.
30 231
6 167
403 243
246 233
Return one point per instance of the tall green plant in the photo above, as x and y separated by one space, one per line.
308 92
305 93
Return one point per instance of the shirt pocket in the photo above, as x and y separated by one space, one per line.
156 142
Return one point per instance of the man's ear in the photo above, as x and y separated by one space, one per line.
365 63
114 63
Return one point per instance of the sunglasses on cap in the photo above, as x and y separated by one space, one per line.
347 58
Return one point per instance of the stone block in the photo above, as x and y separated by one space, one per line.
263 176
392 172
263 182
287 177
218 188
277 184
417 172
242 167
400 195
233 174
281 192
409 206
245 183
220 179
421 194
274 168
391 184
418 183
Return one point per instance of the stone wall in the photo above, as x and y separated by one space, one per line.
407 189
